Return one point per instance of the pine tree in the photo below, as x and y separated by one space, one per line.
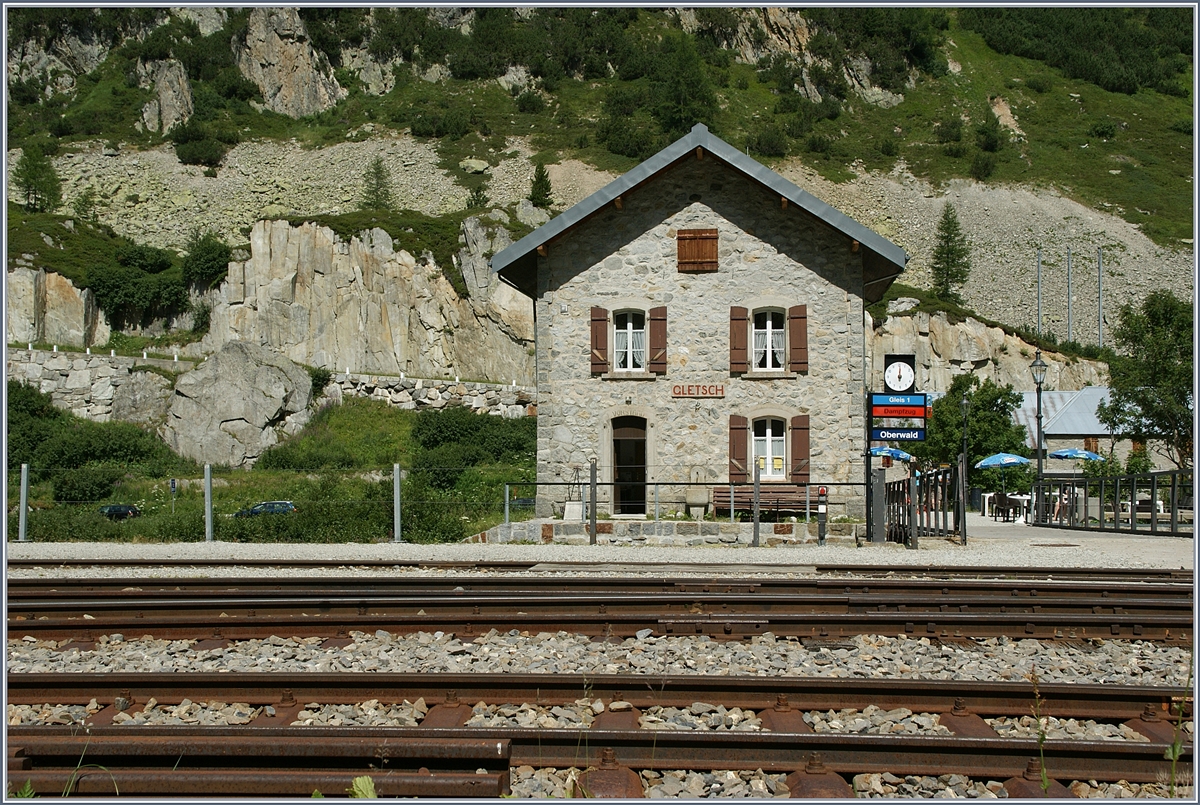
37 181
951 257
377 187
539 194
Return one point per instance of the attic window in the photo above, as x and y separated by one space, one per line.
697 250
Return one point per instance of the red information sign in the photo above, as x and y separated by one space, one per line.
898 411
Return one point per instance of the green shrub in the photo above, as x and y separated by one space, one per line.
530 103
1104 129
889 147
144 258
769 141
200 152
207 260
85 484
988 135
320 379
982 166
948 130
955 150
1182 126
1039 84
818 143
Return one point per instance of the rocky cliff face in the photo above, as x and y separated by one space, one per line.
294 78
363 306
42 306
944 350
172 102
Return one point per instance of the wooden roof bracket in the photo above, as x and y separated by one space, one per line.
699 152
854 246
543 250
619 203
783 202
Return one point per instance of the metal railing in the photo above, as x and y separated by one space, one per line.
1146 503
928 506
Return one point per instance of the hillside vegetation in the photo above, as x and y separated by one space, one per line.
337 471
1101 96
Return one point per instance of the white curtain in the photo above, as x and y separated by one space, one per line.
639 349
777 348
760 348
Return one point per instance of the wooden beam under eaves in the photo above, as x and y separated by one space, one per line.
854 246
543 250
699 152
619 203
783 202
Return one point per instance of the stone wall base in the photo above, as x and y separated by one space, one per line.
666 533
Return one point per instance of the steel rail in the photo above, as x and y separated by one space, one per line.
21 590
717 570
945 622
284 690
989 758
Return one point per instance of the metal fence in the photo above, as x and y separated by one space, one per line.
1147 503
928 506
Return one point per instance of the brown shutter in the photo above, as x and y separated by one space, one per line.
658 340
739 333
800 449
739 443
697 250
599 340
798 338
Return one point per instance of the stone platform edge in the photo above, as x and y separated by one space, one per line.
667 533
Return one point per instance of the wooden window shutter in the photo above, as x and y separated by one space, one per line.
658 340
798 338
599 340
1091 443
739 334
739 445
697 250
800 449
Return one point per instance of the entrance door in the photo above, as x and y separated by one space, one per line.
629 464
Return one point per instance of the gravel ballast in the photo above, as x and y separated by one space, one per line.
1121 662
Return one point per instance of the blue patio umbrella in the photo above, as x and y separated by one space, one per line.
1075 452
1001 460
891 452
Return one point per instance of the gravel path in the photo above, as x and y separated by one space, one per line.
1121 662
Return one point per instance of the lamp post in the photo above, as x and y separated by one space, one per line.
1038 370
966 406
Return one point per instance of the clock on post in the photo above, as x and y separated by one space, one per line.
899 373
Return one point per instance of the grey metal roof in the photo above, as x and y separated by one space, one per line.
1064 413
515 260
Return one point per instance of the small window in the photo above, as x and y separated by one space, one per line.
697 250
1091 443
768 340
629 341
769 447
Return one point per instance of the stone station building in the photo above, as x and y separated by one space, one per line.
694 318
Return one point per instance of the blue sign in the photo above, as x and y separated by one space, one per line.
172 486
898 399
897 434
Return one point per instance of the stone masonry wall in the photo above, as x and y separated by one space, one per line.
105 387
628 259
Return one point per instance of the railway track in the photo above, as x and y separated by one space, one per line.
269 756
202 608
185 756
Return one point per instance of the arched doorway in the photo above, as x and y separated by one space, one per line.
629 464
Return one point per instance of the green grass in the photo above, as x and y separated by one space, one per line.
359 434
73 252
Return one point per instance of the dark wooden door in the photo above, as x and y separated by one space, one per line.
629 464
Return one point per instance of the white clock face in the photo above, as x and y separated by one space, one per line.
898 376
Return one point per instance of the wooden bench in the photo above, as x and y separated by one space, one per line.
790 498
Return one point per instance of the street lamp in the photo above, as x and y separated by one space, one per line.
1038 370
966 406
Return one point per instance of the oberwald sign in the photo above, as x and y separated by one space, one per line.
898 434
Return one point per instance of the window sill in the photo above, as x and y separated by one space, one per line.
769 375
628 376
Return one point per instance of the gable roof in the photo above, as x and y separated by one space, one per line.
1065 414
883 261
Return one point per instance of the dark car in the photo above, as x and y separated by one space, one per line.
119 511
268 507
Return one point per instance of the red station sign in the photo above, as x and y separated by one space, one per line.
897 411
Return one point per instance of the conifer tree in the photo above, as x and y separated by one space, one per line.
377 187
37 181
539 194
951 257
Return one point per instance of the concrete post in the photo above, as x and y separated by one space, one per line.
208 514
506 520
592 505
756 510
22 518
397 533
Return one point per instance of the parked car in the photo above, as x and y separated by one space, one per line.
119 511
268 507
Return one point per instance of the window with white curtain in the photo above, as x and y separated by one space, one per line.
768 447
629 341
768 341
